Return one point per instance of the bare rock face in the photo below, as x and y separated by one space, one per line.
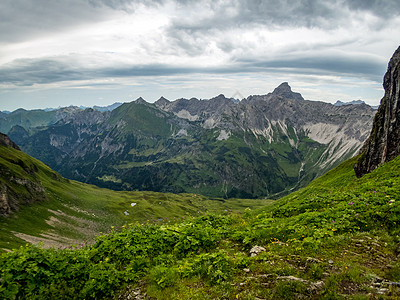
384 142
285 91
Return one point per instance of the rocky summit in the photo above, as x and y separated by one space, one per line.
384 143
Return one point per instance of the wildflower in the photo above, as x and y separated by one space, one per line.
351 203
333 221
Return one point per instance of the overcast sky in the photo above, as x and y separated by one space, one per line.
96 52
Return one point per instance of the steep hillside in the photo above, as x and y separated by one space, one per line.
263 146
20 182
38 205
338 238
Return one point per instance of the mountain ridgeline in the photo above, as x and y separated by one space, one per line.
262 146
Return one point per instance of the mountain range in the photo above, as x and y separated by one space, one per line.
338 238
262 146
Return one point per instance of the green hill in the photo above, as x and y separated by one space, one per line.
37 204
338 238
27 119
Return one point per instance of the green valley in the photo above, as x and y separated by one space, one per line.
39 205
337 238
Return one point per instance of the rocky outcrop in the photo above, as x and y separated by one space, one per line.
19 184
384 142
5 141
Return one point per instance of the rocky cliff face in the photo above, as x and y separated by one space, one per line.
384 142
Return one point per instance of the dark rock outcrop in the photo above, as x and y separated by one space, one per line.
384 142
5 141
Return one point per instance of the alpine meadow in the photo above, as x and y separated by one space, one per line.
108 193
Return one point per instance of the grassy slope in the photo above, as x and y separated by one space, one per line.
337 238
75 212
27 119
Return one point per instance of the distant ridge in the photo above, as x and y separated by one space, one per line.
353 102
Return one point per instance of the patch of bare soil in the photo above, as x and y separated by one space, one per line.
60 221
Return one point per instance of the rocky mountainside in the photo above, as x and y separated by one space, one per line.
261 146
19 180
384 143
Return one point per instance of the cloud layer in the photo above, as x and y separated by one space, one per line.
49 44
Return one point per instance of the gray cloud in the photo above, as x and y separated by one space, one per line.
383 8
284 13
193 29
367 69
23 19
20 19
125 5
27 72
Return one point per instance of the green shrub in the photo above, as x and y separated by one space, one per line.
162 276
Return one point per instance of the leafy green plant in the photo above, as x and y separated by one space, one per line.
163 276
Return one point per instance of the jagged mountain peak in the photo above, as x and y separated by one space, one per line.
162 102
284 90
220 97
140 100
